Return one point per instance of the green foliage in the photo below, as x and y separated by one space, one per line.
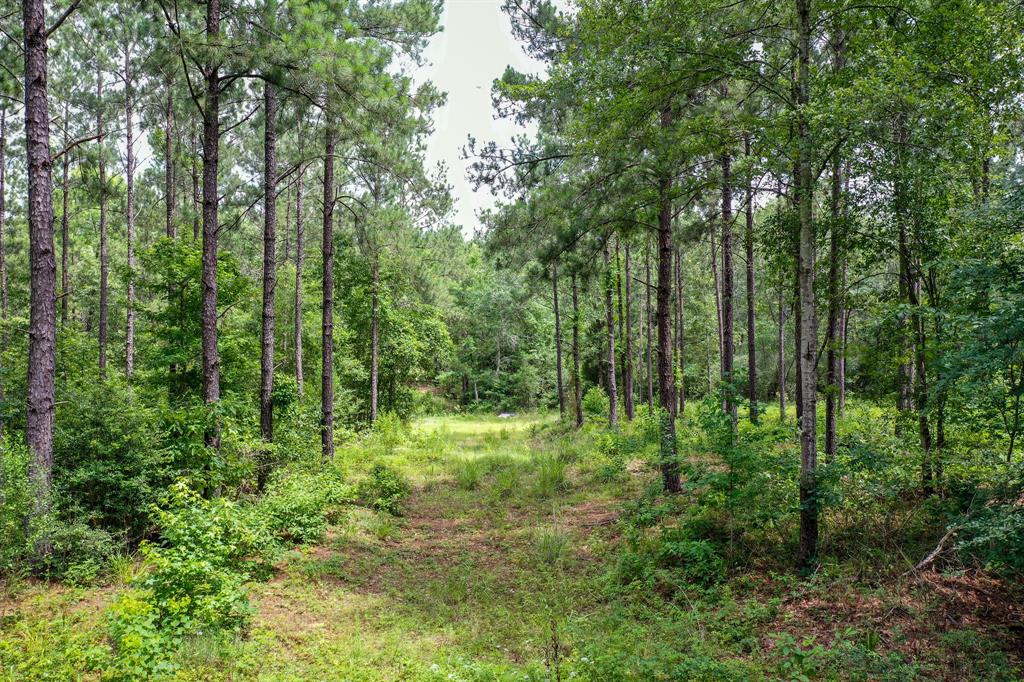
551 476
15 505
995 538
595 403
298 504
384 489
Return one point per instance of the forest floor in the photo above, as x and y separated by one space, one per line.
500 568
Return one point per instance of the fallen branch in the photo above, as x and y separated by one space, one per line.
934 554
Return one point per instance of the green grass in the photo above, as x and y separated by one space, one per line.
502 566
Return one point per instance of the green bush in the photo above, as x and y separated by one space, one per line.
194 577
551 477
384 490
595 403
696 561
15 505
298 504
468 472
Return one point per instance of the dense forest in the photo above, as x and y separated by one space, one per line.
726 384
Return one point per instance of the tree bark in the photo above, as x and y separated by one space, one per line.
129 206
104 330
782 354
4 296
627 364
728 309
65 279
649 329
300 257
327 327
833 336
211 157
681 329
169 201
197 201
808 313
4 302
751 297
558 342
613 397
666 386
577 388
42 265
374 338
270 107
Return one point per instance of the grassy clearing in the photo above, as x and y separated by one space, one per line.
507 563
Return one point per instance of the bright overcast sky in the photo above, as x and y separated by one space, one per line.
473 49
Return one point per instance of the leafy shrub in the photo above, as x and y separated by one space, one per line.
384 490
995 538
143 651
595 402
298 504
697 561
194 577
15 504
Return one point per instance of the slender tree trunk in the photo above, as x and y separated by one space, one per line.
197 201
327 329
129 206
782 354
728 308
666 387
681 325
300 257
577 388
751 297
4 302
808 312
270 107
374 338
104 238
716 276
835 304
169 201
42 265
613 397
4 296
921 385
621 314
558 342
211 157
627 364
798 390
834 312
65 286
649 328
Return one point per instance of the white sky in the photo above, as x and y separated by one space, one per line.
473 49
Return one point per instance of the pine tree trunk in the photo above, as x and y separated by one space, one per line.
300 257
577 388
211 156
808 312
649 328
558 342
374 339
627 365
129 205
834 312
270 107
782 354
666 387
613 397
104 239
42 265
197 201
716 276
65 278
751 297
4 302
728 309
327 327
4 296
681 325
169 205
